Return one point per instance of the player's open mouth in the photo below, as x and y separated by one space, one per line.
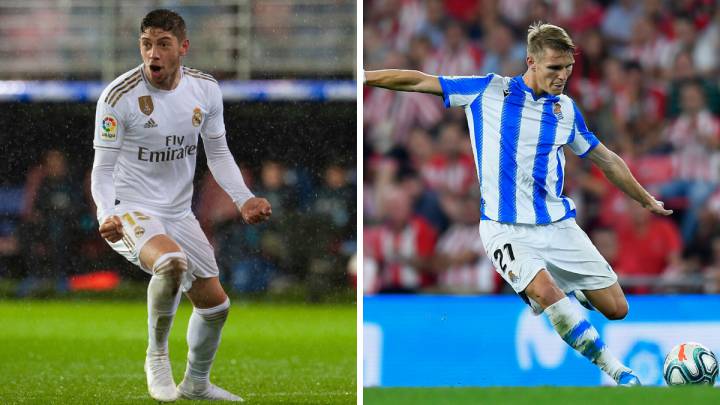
155 70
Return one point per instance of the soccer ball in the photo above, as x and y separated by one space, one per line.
690 363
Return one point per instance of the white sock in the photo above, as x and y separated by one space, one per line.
163 297
161 312
577 331
203 337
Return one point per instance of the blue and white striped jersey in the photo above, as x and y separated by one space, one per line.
517 141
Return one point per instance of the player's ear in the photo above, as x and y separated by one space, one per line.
184 46
530 60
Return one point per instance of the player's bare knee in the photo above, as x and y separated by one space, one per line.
171 265
545 294
217 313
543 290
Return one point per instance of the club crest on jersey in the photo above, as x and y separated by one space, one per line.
146 104
197 117
557 111
109 129
139 231
514 278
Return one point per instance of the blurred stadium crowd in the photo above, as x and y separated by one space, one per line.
49 230
646 79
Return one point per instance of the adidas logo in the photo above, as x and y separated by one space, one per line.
150 124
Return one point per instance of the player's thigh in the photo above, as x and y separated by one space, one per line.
574 261
144 238
206 293
610 301
154 248
514 251
201 255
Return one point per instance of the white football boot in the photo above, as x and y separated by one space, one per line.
159 377
206 390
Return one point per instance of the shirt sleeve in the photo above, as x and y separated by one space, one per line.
109 127
102 184
107 141
214 124
581 140
459 91
225 171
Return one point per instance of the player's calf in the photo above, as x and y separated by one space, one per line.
608 301
581 335
617 313
163 299
203 339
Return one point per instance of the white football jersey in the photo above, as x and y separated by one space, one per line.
156 132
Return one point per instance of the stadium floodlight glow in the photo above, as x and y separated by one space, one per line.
233 90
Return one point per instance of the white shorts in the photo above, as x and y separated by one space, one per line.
520 251
139 227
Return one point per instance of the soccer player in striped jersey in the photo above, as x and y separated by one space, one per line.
147 126
518 127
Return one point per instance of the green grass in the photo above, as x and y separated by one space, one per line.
92 352
543 395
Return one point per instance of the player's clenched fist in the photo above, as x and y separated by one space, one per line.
111 229
256 210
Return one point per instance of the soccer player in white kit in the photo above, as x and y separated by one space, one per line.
518 126
147 126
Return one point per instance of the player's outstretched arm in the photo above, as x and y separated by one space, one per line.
619 174
404 80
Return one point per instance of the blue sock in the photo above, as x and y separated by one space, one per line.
577 332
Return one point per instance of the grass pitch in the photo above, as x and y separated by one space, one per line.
92 352
543 395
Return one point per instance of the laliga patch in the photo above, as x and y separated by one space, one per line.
197 117
557 111
109 129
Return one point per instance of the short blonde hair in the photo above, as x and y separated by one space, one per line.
541 36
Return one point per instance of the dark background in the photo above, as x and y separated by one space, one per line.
307 134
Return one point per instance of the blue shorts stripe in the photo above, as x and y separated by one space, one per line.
546 141
509 135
